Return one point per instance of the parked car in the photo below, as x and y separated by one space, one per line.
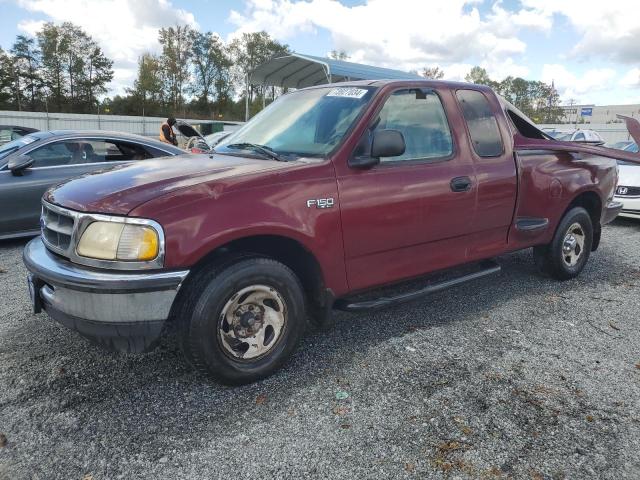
628 190
13 132
215 138
321 201
619 145
31 164
576 136
193 141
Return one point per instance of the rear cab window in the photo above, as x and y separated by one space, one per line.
481 122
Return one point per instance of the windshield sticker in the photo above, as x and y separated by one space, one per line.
347 92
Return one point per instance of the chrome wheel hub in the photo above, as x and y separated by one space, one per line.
251 322
573 245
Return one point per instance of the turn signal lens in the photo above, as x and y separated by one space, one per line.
138 243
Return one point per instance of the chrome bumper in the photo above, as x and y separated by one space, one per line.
611 211
120 310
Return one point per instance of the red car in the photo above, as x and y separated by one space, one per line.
323 198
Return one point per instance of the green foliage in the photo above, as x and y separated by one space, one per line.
26 61
69 66
338 55
7 84
536 99
433 73
211 65
246 53
177 45
480 76
147 95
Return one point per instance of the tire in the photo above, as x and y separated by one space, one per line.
567 254
243 320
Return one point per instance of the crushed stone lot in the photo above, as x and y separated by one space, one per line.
513 376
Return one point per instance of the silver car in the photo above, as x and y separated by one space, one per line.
31 164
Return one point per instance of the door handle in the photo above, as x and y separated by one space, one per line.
461 184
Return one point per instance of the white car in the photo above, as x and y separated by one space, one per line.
577 136
215 138
628 190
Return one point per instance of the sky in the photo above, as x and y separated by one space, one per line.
589 49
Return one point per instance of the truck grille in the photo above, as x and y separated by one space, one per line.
623 191
57 226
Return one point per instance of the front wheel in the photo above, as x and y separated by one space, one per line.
567 254
246 321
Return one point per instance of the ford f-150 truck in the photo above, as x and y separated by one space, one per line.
323 199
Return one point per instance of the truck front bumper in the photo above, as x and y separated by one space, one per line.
611 211
123 311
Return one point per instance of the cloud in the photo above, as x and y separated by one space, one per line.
31 27
607 29
631 78
125 29
404 35
581 88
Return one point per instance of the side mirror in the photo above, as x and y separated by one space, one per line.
387 143
17 165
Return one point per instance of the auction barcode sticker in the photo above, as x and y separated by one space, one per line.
347 92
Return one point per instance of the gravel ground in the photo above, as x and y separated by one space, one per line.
515 376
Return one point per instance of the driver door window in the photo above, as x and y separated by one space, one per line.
417 114
77 152
55 154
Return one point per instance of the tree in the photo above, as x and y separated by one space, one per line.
26 57
148 87
99 74
73 67
433 73
7 82
211 68
249 51
338 55
176 52
52 68
480 76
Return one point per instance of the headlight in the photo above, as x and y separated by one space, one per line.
119 241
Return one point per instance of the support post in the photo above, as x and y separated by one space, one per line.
246 100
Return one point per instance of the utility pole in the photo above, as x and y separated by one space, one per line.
571 103
246 100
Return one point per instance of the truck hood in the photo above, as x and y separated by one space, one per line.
120 189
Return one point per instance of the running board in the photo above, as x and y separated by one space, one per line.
345 304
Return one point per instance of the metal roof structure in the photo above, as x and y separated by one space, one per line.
298 71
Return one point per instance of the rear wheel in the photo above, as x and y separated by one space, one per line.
567 254
246 321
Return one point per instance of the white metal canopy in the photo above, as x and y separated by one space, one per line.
299 71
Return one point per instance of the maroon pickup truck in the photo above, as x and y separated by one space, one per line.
323 199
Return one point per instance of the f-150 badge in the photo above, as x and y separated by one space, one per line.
320 202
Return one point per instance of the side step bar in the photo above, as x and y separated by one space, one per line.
487 268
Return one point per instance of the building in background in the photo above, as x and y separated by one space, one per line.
594 114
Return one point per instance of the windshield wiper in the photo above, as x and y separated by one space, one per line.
263 149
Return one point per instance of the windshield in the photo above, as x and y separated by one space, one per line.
307 122
562 136
17 144
632 148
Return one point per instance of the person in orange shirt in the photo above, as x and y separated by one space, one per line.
166 132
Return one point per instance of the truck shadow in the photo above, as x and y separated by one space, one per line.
83 385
